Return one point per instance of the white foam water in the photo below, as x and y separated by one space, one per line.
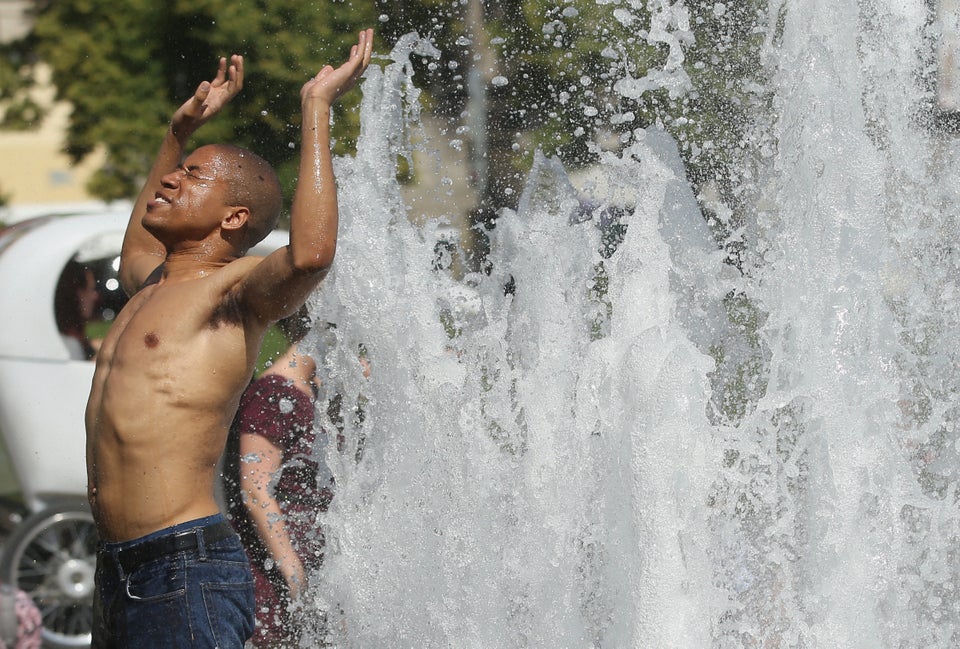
547 455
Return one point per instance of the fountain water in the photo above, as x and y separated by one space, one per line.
552 466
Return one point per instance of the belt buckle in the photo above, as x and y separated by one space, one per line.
187 539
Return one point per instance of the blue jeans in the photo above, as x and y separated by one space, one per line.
201 597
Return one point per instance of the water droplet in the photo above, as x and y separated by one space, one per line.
624 17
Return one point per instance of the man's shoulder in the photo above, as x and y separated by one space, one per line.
243 264
206 290
231 273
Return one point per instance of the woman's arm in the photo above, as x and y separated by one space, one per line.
262 460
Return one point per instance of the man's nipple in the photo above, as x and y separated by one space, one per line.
151 340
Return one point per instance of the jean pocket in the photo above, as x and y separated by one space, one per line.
229 608
155 613
157 581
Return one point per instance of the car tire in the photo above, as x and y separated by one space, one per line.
51 555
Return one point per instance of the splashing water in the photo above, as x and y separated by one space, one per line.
550 466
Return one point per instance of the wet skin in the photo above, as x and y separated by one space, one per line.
162 400
172 368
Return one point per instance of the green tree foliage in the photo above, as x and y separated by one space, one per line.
578 76
611 67
126 66
473 52
572 76
18 109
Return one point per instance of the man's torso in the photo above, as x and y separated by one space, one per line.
168 379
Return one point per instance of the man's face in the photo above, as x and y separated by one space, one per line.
191 200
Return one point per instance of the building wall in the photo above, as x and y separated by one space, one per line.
14 21
35 176
33 171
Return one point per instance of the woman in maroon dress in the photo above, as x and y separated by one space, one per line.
275 489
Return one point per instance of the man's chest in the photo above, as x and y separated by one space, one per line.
162 319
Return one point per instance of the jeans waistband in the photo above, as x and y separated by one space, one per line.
130 557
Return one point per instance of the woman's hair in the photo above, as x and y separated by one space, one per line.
296 326
66 304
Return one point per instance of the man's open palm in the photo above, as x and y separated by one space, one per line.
331 83
211 96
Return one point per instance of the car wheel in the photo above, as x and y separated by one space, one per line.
51 556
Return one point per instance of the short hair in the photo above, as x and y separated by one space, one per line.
295 327
253 184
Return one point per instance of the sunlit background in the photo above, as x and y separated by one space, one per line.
660 300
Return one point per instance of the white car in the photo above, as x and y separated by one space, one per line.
44 381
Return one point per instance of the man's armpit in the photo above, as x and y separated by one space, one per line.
228 312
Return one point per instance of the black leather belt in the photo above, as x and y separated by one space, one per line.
137 555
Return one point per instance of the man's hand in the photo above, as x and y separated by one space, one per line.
209 98
330 84
279 284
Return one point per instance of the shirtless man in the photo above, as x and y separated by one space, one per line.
170 571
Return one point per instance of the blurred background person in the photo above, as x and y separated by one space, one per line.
20 624
74 304
275 484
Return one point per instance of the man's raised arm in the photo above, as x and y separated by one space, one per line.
277 286
142 253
